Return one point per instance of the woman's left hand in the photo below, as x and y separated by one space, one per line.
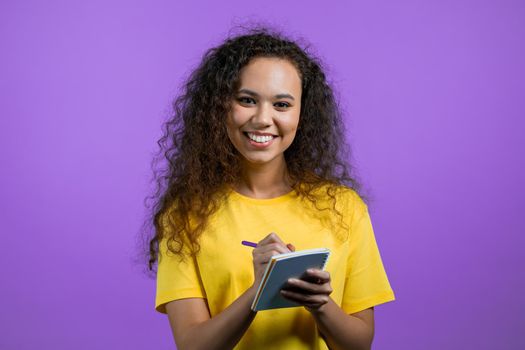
312 291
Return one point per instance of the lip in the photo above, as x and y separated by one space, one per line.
258 144
258 133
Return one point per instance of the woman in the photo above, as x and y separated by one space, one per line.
255 153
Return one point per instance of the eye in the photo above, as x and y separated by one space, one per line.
282 105
246 100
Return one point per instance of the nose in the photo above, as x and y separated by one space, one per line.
263 115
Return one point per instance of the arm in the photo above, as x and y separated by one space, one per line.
343 331
340 330
193 328
190 320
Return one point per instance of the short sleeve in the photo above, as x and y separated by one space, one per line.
176 278
366 282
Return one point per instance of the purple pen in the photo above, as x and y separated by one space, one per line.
249 244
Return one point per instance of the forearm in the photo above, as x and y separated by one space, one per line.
224 330
341 330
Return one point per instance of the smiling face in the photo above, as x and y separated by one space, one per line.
265 110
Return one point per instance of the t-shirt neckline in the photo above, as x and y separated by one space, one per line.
264 201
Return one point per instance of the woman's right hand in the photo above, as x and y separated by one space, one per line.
266 248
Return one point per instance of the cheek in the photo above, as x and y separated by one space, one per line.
232 122
235 119
291 124
232 130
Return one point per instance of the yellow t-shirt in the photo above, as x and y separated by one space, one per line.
223 268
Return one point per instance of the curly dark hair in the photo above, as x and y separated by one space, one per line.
202 162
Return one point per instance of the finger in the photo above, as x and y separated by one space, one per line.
260 260
320 276
278 247
270 238
291 247
264 258
305 299
305 287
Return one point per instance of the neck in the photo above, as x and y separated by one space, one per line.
264 181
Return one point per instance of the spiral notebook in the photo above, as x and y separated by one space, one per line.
280 268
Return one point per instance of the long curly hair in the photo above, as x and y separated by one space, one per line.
202 162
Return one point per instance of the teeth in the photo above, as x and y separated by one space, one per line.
259 138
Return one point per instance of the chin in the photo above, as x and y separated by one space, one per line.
258 160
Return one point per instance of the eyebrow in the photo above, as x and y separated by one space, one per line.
254 94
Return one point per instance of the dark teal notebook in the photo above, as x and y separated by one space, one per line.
280 268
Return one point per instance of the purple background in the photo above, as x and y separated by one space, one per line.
434 92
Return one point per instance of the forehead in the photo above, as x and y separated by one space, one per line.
270 75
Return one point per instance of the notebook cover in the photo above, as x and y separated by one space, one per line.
280 269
